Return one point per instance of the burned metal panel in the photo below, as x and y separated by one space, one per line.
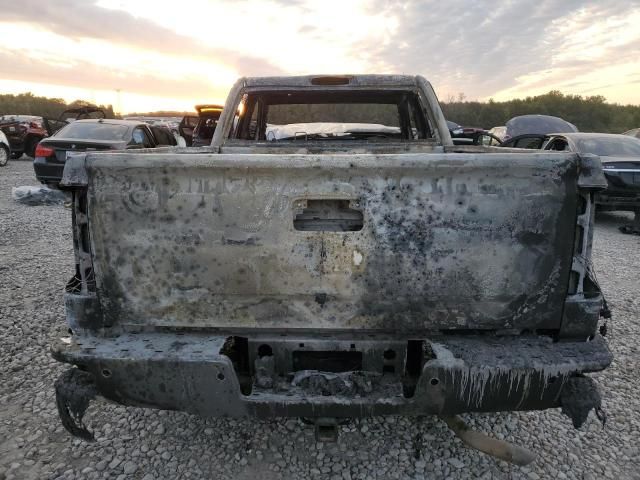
591 173
334 147
435 115
462 373
584 301
74 173
393 81
83 311
448 242
158 370
504 373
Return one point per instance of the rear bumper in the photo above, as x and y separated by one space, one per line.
613 202
48 171
459 374
618 200
622 193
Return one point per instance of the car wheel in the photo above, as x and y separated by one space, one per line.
4 155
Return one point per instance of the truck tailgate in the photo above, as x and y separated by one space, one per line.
406 242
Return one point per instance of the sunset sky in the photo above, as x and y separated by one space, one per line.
172 55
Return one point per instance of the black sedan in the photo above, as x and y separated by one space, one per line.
83 135
620 157
526 131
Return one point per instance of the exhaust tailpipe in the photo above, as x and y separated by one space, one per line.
491 446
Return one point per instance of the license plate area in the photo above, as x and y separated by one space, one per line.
291 362
331 361
62 155
295 353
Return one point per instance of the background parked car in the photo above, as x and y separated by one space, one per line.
471 135
633 133
528 140
5 149
24 132
454 128
163 135
160 126
186 127
620 156
81 135
522 131
81 113
208 116
524 124
499 132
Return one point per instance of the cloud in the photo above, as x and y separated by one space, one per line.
85 19
481 48
85 75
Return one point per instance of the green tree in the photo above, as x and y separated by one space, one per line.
29 104
589 114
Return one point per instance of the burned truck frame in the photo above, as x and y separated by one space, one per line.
373 270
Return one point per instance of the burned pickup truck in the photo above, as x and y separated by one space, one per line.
332 254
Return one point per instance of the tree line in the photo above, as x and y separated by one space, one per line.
160 113
30 104
589 114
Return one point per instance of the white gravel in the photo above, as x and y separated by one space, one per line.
36 261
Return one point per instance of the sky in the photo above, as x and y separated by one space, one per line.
147 55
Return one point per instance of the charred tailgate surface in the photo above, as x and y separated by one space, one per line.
382 242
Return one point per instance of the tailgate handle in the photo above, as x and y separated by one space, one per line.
327 215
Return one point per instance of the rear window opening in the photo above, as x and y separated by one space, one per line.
330 115
327 361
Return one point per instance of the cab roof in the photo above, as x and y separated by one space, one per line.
332 81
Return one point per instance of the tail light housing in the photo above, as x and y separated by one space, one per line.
42 151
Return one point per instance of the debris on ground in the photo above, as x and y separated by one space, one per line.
38 196
578 398
630 229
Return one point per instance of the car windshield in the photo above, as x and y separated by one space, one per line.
333 115
93 131
618 146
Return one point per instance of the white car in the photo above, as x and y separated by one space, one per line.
5 149
500 132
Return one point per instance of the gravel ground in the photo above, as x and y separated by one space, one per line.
36 260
